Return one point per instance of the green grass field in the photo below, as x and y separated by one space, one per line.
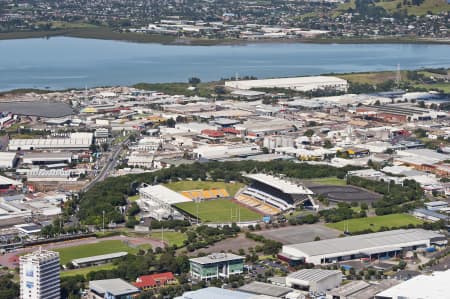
85 271
232 188
329 181
435 6
133 198
375 223
104 247
219 211
173 238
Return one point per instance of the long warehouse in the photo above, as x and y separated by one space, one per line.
388 243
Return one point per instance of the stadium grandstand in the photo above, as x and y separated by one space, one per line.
271 195
156 202
205 194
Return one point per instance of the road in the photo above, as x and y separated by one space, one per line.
108 167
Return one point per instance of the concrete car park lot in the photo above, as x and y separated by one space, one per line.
345 193
299 233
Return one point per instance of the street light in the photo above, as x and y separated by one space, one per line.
103 221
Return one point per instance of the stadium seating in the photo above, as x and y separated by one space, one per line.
205 194
257 204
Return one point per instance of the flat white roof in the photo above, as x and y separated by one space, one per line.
163 194
431 286
216 258
98 258
293 82
7 181
282 185
363 243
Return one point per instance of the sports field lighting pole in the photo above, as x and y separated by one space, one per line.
197 211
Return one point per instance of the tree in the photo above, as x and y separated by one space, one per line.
170 123
308 133
327 144
194 80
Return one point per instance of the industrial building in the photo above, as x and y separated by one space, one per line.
267 289
47 158
314 280
270 195
375 245
156 202
216 265
112 289
219 293
7 184
39 275
435 285
429 215
7 160
76 141
296 83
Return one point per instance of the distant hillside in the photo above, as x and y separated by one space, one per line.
412 7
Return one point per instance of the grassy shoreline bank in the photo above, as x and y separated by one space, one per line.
107 34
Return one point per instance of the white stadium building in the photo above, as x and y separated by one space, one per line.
156 202
271 195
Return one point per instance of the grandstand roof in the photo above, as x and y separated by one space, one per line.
281 184
99 258
163 194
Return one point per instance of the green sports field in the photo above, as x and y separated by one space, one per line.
67 254
231 188
218 211
172 238
376 222
328 181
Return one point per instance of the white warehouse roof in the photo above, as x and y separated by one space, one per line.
431 286
280 184
76 140
387 240
298 83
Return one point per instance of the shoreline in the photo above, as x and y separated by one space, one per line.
21 91
106 34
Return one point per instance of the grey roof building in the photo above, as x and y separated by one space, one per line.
368 245
315 280
111 288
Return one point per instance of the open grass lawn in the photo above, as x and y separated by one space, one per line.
104 247
370 78
375 223
219 211
86 270
329 181
133 198
173 238
232 188
434 6
441 86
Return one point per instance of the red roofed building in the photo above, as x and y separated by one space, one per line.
231 131
155 281
212 133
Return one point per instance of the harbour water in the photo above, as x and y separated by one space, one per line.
62 62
